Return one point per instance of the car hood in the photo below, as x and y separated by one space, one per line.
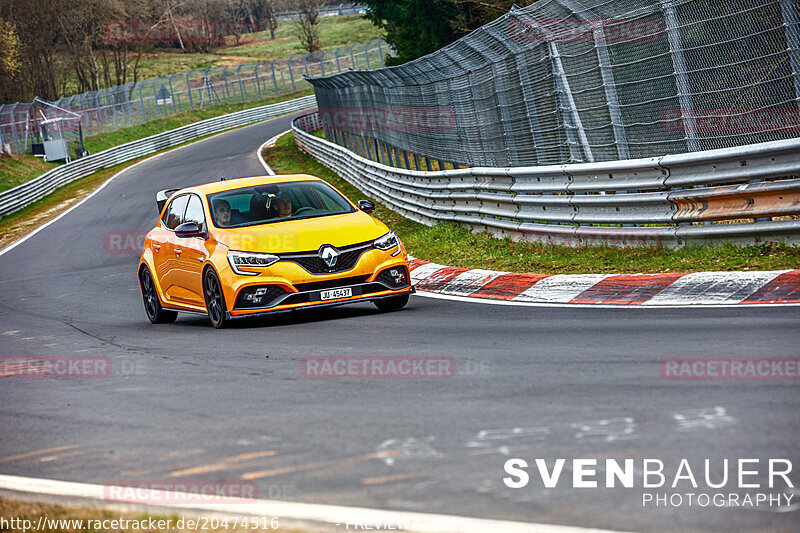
303 235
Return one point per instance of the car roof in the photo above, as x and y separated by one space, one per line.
236 183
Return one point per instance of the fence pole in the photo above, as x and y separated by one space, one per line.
189 89
274 79
383 60
239 77
225 80
570 101
790 23
174 95
291 75
681 76
366 55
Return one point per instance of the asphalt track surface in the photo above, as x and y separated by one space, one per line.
187 402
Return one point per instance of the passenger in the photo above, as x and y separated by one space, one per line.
222 213
284 206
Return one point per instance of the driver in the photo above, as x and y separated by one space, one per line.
222 213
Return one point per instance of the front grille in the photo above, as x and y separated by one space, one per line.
272 293
315 265
330 284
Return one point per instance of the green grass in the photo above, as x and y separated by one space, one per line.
454 245
103 141
17 170
334 32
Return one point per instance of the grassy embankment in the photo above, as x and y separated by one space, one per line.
454 245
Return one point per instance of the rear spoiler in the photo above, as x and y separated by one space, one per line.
163 196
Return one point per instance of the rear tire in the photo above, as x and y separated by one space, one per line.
152 305
391 304
215 300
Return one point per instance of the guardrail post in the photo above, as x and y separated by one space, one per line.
377 147
681 76
388 149
405 159
790 23
428 164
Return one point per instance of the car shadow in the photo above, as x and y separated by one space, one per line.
299 316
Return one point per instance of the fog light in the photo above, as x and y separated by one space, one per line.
399 276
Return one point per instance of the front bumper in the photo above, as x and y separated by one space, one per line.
296 288
239 313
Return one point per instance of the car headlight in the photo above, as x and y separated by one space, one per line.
250 260
387 242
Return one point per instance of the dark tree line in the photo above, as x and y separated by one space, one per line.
52 48
418 27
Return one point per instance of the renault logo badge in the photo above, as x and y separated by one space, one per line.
329 254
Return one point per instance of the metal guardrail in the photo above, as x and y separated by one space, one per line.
27 193
668 201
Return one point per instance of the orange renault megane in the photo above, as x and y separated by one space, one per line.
251 246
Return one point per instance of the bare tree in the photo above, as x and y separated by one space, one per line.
34 23
307 25
9 63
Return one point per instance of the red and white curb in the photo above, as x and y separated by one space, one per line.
778 287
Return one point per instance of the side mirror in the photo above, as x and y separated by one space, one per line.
189 229
366 206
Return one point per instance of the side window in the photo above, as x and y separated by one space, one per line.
194 212
173 216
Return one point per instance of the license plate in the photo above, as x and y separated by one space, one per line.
335 294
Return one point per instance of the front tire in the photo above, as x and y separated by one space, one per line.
392 303
215 300
152 305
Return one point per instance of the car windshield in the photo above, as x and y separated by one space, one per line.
275 202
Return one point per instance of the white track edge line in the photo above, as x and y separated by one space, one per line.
476 300
147 158
309 512
269 142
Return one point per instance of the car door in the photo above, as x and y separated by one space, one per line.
191 254
167 266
